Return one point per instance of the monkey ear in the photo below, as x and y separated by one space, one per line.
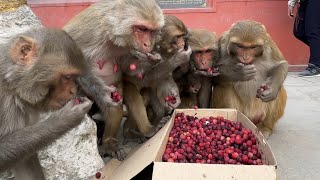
23 50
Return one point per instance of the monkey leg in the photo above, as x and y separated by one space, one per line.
130 132
136 108
111 129
275 112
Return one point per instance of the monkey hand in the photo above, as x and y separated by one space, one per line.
72 113
155 57
245 72
266 93
174 102
181 57
208 73
111 97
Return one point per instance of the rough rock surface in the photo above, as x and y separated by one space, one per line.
73 156
14 22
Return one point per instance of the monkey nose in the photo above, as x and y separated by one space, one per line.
146 48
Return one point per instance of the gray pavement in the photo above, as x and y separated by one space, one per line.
296 139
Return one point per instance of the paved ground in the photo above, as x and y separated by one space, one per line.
296 140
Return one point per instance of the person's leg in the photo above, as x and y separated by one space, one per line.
311 22
312 28
299 24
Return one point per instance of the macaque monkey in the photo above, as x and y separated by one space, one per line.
38 72
262 99
107 31
196 86
174 52
161 99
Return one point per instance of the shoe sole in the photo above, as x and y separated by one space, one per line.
309 76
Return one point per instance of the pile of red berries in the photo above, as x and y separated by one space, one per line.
212 140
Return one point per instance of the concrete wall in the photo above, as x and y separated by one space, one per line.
218 17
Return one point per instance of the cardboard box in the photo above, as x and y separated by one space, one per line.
147 157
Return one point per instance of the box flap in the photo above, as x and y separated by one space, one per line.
192 171
140 157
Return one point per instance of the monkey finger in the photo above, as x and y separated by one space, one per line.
85 104
250 66
178 99
215 74
239 66
111 102
110 88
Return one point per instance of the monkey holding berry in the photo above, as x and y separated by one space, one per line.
196 86
39 70
260 94
174 52
107 31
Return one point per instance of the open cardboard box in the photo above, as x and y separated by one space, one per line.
146 159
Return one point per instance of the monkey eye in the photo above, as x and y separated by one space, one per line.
253 47
66 78
208 50
142 29
179 36
240 46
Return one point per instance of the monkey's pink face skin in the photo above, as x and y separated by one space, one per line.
178 42
203 59
64 89
144 37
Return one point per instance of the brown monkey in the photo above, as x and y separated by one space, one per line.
174 52
157 84
105 32
248 42
197 87
38 70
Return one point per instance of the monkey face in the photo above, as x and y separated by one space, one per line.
246 53
194 87
60 92
178 42
203 59
144 38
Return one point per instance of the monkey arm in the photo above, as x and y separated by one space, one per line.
26 142
179 72
163 69
277 75
205 93
273 83
95 88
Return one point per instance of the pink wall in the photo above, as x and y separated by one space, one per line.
272 13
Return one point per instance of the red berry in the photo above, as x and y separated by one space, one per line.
98 175
140 75
235 155
195 107
133 67
249 143
245 158
116 96
77 101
